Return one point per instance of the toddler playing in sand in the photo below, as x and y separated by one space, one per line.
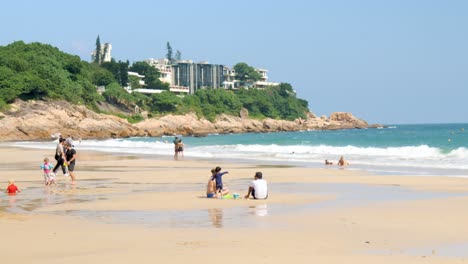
49 176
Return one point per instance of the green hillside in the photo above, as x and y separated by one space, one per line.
42 72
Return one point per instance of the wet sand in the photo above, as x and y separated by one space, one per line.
127 208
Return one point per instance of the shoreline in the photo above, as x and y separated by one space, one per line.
127 208
381 170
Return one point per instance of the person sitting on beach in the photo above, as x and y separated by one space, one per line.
328 162
12 188
49 176
218 177
258 187
342 162
211 186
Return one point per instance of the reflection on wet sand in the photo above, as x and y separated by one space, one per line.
12 200
216 217
259 210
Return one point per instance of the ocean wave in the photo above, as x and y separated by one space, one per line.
422 156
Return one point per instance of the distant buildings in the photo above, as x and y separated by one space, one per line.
188 76
196 76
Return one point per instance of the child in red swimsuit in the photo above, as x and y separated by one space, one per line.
12 188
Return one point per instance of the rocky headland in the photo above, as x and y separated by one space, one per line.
36 120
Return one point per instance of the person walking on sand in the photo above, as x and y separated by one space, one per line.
12 188
258 187
60 157
49 176
70 158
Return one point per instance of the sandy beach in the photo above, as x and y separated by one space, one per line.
127 208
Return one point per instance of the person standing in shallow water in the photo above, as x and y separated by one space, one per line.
176 143
342 162
60 157
70 155
180 148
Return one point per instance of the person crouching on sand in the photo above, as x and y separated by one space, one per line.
12 188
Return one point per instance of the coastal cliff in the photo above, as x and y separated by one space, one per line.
33 120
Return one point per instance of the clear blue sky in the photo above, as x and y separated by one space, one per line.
398 61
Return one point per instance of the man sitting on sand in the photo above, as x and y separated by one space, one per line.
258 187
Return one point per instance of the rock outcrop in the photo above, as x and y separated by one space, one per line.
34 120
41 119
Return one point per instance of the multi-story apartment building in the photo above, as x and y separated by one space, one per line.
185 76
197 75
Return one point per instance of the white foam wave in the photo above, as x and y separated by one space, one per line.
422 156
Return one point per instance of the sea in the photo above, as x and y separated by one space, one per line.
421 149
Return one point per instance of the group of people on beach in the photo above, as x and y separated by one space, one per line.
258 188
341 162
65 155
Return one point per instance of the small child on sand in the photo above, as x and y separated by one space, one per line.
12 188
49 176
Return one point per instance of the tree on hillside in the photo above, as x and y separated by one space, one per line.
97 54
119 70
124 72
151 75
178 55
164 102
246 73
38 71
169 52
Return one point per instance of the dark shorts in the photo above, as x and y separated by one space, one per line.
219 187
71 167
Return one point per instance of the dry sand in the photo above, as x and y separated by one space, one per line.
147 210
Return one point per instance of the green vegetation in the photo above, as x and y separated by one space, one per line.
246 73
151 75
40 71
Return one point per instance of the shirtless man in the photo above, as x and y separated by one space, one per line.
211 190
342 162
211 186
